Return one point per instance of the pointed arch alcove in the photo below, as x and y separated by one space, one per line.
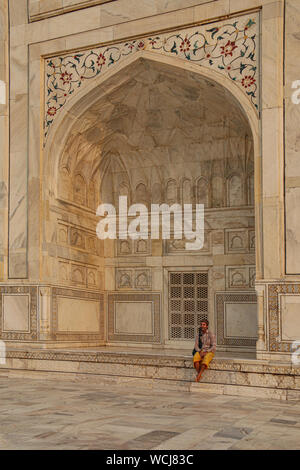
155 128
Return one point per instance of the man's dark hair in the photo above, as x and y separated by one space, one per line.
205 321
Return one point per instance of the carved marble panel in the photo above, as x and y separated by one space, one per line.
142 278
252 241
63 237
130 247
236 318
240 277
92 277
240 320
78 274
134 318
252 276
124 278
289 317
237 241
77 315
18 313
77 238
63 271
280 309
178 246
142 247
235 191
124 247
134 307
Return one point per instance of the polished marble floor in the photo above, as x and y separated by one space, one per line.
48 414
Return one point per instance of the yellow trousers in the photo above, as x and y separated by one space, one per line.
206 360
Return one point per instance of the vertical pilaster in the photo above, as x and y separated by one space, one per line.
4 135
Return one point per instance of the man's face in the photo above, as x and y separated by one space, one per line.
203 326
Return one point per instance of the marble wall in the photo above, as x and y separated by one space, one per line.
50 240
292 137
3 137
159 135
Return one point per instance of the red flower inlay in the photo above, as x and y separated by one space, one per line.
248 81
66 77
228 48
52 111
141 45
185 45
101 60
208 56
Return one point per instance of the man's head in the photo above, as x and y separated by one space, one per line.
204 326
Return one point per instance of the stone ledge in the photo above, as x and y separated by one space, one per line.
142 358
226 376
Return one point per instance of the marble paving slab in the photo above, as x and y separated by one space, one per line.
66 415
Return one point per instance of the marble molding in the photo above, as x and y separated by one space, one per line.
133 278
39 10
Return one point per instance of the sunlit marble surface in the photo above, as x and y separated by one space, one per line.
66 415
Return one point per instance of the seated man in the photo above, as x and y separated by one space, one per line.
205 349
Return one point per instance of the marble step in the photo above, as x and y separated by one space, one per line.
158 372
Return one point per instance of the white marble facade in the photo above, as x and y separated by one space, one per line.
131 101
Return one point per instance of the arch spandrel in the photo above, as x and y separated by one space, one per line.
229 47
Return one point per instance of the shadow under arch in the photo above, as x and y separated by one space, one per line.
105 83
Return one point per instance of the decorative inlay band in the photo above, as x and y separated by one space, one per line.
229 47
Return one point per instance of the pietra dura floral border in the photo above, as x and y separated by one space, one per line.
273 311
229 47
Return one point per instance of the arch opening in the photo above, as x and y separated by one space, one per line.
161 134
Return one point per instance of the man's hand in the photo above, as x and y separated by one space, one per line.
202 354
